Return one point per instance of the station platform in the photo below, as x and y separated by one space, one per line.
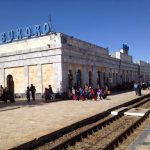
142 142
23 121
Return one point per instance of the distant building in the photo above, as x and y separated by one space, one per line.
61 60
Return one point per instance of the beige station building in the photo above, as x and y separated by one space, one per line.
61 60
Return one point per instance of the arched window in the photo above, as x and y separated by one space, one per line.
99 78
90 78
70 79
104 77
110 75
78 78
116 77
9 81
113 78
127 76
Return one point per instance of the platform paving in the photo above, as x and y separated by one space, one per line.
22 122
142 142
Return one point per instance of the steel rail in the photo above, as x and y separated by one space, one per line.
91 121
94 128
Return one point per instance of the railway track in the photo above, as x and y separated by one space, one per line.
109 136
105 133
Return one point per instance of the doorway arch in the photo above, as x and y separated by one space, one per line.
10 87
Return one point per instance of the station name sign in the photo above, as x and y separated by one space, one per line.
27 32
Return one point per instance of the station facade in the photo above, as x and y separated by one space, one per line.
60 60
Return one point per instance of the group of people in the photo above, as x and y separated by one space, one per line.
48 93
145 85
5 95
76 93
30 92
79 93
138 86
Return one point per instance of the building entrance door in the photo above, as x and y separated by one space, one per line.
10 87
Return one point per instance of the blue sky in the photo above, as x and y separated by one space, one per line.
107 23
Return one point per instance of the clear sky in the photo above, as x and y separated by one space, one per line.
107 23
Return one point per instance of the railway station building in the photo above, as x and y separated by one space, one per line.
60 60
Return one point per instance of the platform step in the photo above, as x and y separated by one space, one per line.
136 112
119 110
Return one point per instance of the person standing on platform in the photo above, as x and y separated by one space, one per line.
33 90
28 94
1 92
139 87
50 91
5 94
100 93
136 88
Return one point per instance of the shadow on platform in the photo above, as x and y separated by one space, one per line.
23 103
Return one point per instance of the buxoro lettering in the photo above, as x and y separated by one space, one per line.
27 32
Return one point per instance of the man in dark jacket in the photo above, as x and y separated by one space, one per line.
33 90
